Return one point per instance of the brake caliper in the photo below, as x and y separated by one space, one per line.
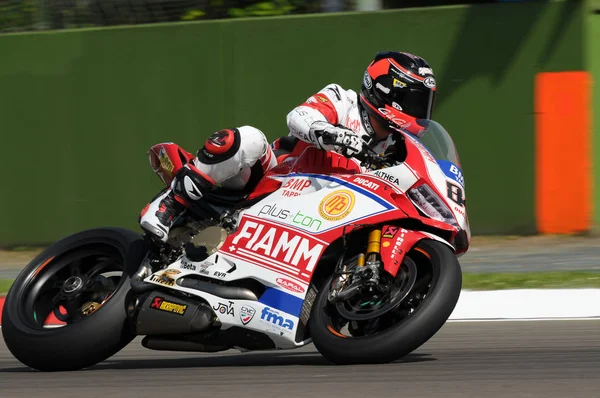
364 276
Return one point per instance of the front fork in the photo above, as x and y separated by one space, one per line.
366 274
370 268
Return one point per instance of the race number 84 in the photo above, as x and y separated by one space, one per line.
455 193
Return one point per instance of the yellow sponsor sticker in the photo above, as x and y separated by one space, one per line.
337 205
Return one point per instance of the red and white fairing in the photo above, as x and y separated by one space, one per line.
311 201
448 188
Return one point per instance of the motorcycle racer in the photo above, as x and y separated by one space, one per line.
397 89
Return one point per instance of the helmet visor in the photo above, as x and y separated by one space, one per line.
414 102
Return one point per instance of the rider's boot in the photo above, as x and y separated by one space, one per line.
187 187
158 216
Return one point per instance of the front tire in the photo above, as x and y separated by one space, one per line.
444 282
89 336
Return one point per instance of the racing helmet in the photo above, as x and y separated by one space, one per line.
397 89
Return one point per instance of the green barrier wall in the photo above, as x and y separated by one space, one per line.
79 109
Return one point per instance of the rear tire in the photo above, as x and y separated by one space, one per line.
90 339
402 338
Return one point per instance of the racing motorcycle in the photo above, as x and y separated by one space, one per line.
364 264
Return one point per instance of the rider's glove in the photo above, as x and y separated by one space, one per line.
334 138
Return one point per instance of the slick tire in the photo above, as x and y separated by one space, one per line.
402 338
89 340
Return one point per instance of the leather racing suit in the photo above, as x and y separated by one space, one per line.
234 159
333 107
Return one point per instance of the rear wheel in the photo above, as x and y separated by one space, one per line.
82 282
427 286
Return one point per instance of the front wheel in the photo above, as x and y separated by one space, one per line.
82 281
436 282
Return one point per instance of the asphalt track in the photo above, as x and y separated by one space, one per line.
465 359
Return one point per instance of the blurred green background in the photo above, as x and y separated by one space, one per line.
80 107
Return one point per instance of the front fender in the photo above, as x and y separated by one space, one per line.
397 241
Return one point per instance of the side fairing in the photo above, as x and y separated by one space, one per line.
317 204
277 311
288 234
279 242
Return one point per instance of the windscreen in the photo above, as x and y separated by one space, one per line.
438 141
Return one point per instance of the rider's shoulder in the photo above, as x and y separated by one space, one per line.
248 130
336 92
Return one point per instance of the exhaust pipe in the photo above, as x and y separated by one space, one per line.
137 280
227 292
162 313
167 343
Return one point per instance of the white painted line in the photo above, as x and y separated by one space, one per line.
522 320
528 304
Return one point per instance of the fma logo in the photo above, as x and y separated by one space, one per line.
272 316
